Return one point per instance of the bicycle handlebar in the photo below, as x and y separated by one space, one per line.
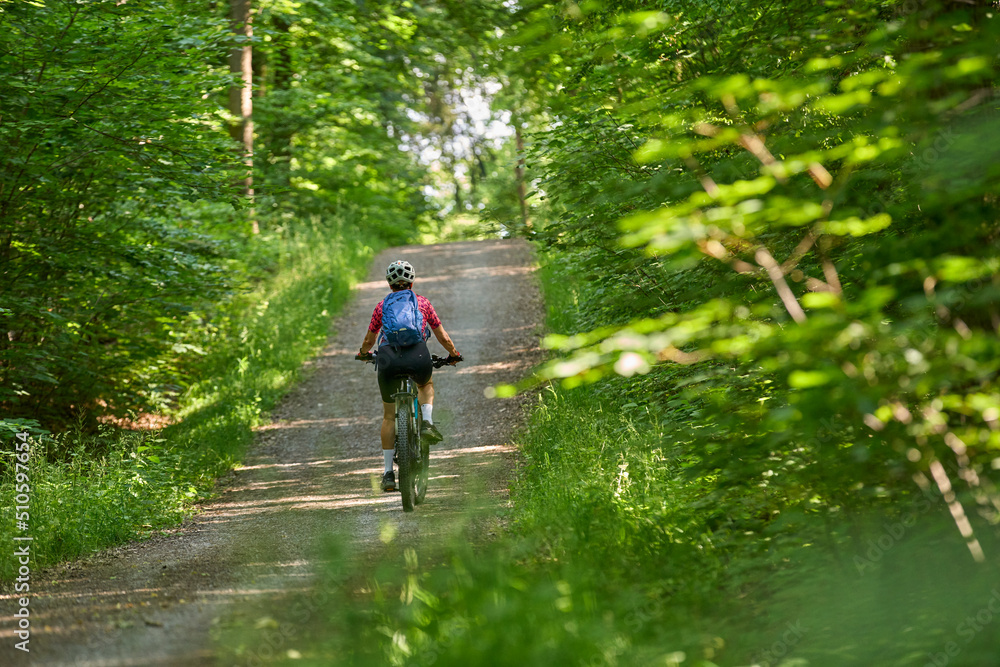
437 361
445 361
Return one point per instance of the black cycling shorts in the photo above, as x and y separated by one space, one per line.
391 365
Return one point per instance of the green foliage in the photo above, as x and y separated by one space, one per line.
95 266
355 92
612 502
788 206
327 144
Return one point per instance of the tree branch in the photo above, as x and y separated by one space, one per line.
765 259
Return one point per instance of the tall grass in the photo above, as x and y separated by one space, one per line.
90 491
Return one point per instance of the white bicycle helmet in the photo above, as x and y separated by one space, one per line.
400 272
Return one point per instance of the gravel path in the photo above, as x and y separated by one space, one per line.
312 473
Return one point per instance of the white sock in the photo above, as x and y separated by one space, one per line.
425 412
387 455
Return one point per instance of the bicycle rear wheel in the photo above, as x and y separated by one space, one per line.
406 453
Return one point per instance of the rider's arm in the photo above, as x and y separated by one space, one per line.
445 340
373 328
368 341
435 324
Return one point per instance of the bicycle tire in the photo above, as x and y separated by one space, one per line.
404 453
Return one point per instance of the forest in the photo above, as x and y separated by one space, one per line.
767 430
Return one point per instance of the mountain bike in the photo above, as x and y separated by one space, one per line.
413 455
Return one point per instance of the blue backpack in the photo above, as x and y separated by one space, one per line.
402 321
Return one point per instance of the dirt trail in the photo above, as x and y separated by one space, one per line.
312 472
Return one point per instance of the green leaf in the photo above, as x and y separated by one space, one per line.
820 300
855 226
800 379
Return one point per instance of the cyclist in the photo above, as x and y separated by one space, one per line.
393 361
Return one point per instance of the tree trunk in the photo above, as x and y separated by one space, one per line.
459 205
519 175
241 97
280 133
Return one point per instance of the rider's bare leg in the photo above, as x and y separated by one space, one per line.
388 425
425 395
